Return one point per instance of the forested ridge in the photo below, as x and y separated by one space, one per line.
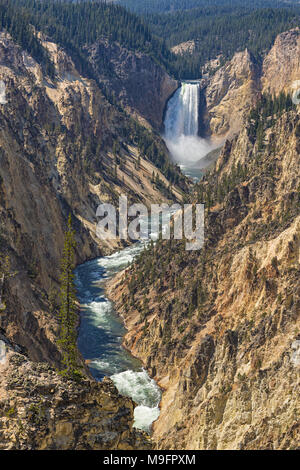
74 25
163 6
223 31
217 27
17 23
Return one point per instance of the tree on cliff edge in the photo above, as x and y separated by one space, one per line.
68 307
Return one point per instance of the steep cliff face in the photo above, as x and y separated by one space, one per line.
141 85
219 328
41 410
63 149
236 86
281 65
230 93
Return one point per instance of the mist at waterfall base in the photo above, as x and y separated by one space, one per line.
181 129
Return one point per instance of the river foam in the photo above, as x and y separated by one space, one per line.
144 392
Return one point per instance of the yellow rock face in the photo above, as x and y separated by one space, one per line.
236 86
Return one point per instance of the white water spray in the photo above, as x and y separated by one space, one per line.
182 126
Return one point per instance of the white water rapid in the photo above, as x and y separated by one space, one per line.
182 126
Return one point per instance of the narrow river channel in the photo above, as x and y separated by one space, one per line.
101 333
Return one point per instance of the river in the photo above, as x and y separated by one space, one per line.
101 332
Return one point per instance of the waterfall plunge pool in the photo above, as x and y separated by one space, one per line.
101 332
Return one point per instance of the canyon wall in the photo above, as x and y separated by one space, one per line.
135 79
281 66
235 87
230 93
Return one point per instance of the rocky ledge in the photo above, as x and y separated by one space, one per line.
39 409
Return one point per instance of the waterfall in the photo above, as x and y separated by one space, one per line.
182 112
182 125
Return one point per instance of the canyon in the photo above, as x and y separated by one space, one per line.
228 366
49 131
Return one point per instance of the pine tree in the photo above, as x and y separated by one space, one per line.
260 136
4 272
68 307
